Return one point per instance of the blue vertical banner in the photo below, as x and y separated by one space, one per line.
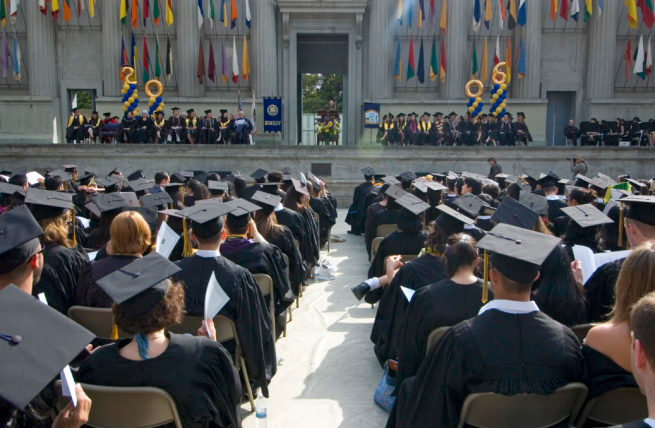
371 115
272 115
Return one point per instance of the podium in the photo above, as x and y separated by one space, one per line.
326 116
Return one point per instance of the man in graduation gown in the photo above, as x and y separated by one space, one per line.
241 128
192 127
142 127
639 228
426 136
468 130
357 196
521 129
506 136
437 128
509 348
75 130
223 128
325 205
209 129
451 133
175 126
246 307
549 188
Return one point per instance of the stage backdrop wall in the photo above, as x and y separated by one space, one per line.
338 166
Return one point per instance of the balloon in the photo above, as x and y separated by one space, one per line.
133 86
471 109
496 86
126 86
498 110
123 91
478 99
494 97
126 103
503 86
131 100
500 92
162 105
152 100
475 104
159 99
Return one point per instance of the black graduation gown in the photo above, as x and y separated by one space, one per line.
443 304
61 268
357 195
396 243
284 241
602 374
369 197
555 209
383 217
296 223
523 137
635 424
197 372
246 308
311 233
494 352
414 275
88 293
600 291
141 135
326 208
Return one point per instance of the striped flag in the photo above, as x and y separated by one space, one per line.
588 10
13 9
169 58
488 14
223 62
156 12
248 17
135 52
477 16
245 63
511 21
632 13
521 69
43 7
421 13
501 15
640 59
212 13
67 11
223 16
432 12
17 59
398 65
124 60
235 60
399 12
646 12
146 11
575 9
410 60
474 61
443 24
433 60
649 58
442 65
554 8
123 12
55 9
523 13
201 16
234 14
135 14
146 74
3 13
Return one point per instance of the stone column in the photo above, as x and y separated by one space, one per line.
601 51
111 47
380 38
188 43
457 53
41 50
528 86
264 48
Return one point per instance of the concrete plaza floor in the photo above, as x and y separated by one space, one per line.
329 373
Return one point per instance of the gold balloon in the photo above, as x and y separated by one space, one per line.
130 100
498 76
471 109
478 85
503 86
129 75
478 100
126 103
124 108
159 88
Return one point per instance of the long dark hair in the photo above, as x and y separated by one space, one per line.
200 191
437 239
461 251
101 235
239 185
558 295
293 200
267 224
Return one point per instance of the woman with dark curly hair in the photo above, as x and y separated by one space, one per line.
197 371
442 304
195 191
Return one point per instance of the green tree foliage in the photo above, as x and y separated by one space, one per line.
317 90
84 100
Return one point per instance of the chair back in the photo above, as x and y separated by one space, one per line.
225 329
374 247
615 407
98 321
434 336
385 229
581 331
489 410
127 407
317 219
265 283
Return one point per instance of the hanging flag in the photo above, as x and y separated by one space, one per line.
135 53
501 15
600 7
444 16
201 64
398 65
640 59
80 7
485 64
421 13
553 10
135 14
169 12
212 14
17 59
245 63
410 14
420 73
575 9
235 61
156 12
627 57
55 9
646 12
13 10
43 7
5 53
223 17
248 18
521 60
508 59
234 14
523 13
442 63
477 15
632 13
3 13
410 60
474 61
564 10
649 58
432 12
253 115
511 21
92 8
157 56
146 74
223 62
146 10
497 51
123 12
67 11
488 15
588 10
211 70
74 101
169 58
201 16
433 60
124 60
399 12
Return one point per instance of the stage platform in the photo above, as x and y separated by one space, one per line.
339 166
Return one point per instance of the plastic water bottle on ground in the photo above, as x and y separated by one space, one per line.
260 411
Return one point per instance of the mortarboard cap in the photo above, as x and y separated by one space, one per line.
69 168
110 181
108 201
207 217
136 175
90 170
395 192
175 108
514 213
260 173
208 111
10 189
190 111
451 221
425 113
187 174
413 204
223 110
586 215
230 178
140 184
217 185
19 241
178 178
241 207
549 180
582 181
262 199
46 204
535 202
469 204
156 199
59 173
390 180
641 208
107 114
297 185
115 171
602 183
407 176
368 171
139 286
37 343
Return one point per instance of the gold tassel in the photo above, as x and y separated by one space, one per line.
114 332
188 248
485 284
621 225
73 222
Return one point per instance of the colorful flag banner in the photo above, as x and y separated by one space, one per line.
640 59
433 60
497 51
442 63
649 58
521 69
146 74
200 73
234 14
398 65
135 14
13 10
646 12
523 13
485 63
201 16
508 60
410 14
564 10
431 13
443 24
169 12
156 12
223 17
501 15
123 12
421 13
211 71
235 61
488 14
67 11
55 9
399 12
157 56
632 13
248 17
135 53
588 10
420 73
627 57
474 61
477 15
245 63
575 9
92 8
169 58
43 7
3 13
511 8
554 8
410 60
212 13
146 11
223 62
17 59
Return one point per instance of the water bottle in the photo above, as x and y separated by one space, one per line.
315 274
260 411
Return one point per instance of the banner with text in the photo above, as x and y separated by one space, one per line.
371 115
272 115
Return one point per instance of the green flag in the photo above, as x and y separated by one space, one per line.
156 13
157 58
474 68
211 10
3 13
433 60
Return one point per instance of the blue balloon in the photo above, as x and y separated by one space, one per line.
158 99
496 87
133 86
155 104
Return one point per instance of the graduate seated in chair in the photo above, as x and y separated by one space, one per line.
158 129
126 130
509 348
192 127
75 130
142 128
241 128
93 130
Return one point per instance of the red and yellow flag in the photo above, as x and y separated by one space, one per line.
67 11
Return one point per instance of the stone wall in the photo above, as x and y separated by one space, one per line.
345 162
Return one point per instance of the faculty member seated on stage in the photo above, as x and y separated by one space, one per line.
175 127
572 133
241 128
208 129
75 128
142 128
